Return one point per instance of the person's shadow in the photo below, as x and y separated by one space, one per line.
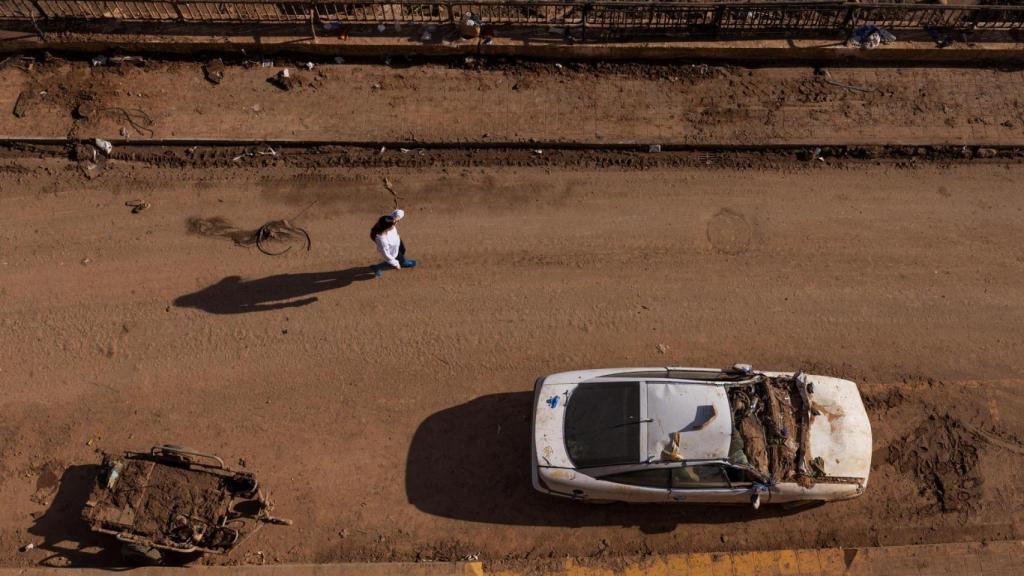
233 295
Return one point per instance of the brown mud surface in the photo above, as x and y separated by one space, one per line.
390 417
516 102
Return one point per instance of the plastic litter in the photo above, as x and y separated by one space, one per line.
870 36
100 60
469 25
104 145
654 148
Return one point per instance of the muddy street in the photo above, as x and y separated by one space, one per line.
390 417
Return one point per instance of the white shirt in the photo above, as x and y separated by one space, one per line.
387 245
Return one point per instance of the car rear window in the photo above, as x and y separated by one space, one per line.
602 424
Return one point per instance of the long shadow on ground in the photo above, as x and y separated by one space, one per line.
233 295
472 462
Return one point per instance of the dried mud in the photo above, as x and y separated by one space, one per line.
162 496
942 456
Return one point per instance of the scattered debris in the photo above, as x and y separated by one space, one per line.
137 205
283 80
100 60
653 148
469 26
986 153
280 231
339 60
391 189
134 117
20 105
266 63
268 152
870 36
104 145
941 38
28 547
661 348
137 60
90 169
214 71
826 77
308 65
268 238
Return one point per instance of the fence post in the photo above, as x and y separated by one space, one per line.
717 24
177 10
312 19
39 8
583 23
850 22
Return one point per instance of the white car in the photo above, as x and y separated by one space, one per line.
699 435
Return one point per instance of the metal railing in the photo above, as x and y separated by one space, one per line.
727 18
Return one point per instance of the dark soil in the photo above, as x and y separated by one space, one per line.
942 456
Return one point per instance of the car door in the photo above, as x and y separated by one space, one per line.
641 485
705 483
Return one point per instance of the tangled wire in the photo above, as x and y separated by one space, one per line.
267 238
280 231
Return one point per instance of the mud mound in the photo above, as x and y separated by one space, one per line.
943 457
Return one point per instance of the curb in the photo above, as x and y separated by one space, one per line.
1000 558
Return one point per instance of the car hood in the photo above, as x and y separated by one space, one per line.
840 432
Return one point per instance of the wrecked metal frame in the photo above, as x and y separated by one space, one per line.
678 18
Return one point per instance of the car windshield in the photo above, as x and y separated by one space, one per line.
602 424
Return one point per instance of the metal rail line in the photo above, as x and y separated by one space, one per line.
682 18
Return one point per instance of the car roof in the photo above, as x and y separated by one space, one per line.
687 421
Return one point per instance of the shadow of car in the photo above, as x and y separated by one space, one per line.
472 462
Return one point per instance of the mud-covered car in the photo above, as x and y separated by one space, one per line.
699 435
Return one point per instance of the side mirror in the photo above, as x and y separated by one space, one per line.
742 369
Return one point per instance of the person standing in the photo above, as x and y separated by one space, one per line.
385 235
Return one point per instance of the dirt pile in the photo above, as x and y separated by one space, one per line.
942 455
